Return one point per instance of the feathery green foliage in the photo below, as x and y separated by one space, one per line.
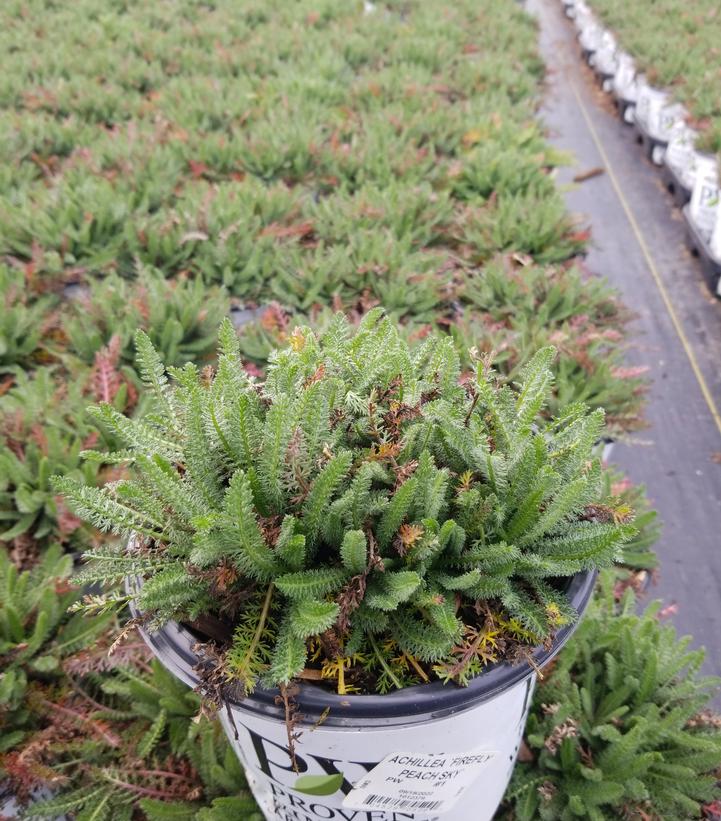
621 727
131 742
360 479
180 316
36 634
21 321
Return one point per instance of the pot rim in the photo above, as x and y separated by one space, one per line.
173 645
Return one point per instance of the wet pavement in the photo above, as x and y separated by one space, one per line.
638 245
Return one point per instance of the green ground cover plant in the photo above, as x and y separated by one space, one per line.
99 726
180 316
21 323
36 633
676 44
309 118
44 429
621 727
134 741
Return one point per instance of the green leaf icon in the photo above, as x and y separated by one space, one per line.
318 784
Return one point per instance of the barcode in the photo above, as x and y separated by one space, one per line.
389 801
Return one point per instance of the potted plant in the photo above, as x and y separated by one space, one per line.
365 550
625 87
700 214
679 160
605 60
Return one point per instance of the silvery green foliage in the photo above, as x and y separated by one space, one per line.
362 487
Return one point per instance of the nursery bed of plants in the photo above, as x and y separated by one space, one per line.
675 44
165 166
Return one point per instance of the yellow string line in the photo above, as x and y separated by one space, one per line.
649 262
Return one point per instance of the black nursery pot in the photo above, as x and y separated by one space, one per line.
431 751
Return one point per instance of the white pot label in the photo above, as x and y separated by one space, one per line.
429 783
705 196
715 243
680 146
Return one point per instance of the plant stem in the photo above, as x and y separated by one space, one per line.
341 675
417 667
261 624
219 431
471 409
97 727
384 664
137 788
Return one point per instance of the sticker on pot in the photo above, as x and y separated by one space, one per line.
430 783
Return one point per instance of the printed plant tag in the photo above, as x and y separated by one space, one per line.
428 783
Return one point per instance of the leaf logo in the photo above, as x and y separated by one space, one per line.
318 784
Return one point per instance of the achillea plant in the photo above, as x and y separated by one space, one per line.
361 511
43 428
130 743
621 728
180 316
36 634
22 321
